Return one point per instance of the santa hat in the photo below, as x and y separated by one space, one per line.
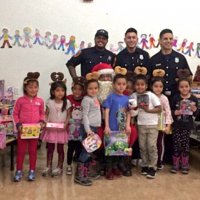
103 68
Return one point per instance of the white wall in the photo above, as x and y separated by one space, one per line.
73 17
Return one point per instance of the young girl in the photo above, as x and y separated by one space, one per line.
116 119
148 108
91 114
28 109
56 112
74 121
165 117
184 106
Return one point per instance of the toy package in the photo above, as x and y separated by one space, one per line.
185 107
142 100
116 144
92 143
74 130
30 131
2 137
55 125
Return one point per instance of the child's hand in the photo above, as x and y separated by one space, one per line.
42 125
177 112
89 133
193 107
128 130
107 130
145 108
167 129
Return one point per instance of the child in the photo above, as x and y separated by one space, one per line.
148 106
56 112
183 124
28 109
91 114
116 119
74 114
165 117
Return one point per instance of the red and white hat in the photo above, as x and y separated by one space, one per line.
103 68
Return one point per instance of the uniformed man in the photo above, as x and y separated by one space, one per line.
132 56
89 57
170 61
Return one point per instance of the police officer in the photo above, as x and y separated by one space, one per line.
170 61
132 56
89 57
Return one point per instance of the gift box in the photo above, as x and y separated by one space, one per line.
30 131
74 130
55 125
92 143
116 144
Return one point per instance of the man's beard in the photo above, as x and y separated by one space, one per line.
105 88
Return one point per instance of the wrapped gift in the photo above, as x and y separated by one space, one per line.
30 131
55 125
116 144
74 130
142 100
161 121
185 107
92 143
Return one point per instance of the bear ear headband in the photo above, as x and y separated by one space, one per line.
92 75
31 76
140 70
158 73
184 73
120 70
79 80
57 76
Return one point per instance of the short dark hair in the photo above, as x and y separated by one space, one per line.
118 76
130 30
157 79
90 81
141 77
165 31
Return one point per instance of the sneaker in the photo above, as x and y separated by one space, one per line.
56 172
151 173
185 171
69 170
18 176
83 181
144 170
94 176
31 175
160 166
173 170
46 171
109 174
116 172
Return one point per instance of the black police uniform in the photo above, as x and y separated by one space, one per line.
90 57
170 64
131 60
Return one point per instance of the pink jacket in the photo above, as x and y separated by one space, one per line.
28 110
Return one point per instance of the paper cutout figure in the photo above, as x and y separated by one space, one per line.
183 45
27 37
89 45
116 144
38 37
151 41
62 42
5 36
120 46
17 38
54 42
198 50
82 45
71 45
190 49
175 40
144 41
47 39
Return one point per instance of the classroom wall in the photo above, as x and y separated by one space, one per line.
73 17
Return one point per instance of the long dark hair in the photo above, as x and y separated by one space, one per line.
55 85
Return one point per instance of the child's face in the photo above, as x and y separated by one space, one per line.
120 85
77 91
93 89
59 93
105 77
129 87
157 87
184 87
31 89
140 86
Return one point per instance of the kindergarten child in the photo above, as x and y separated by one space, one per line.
165 117
74 115
28 109
183 124
91 114
56 112
117 118
148 108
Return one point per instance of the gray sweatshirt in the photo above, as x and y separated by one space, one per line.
91 112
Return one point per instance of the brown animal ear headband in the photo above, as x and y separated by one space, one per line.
31 76
140 70
79 80
120 70
184 73
158 73
92 75
58 76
